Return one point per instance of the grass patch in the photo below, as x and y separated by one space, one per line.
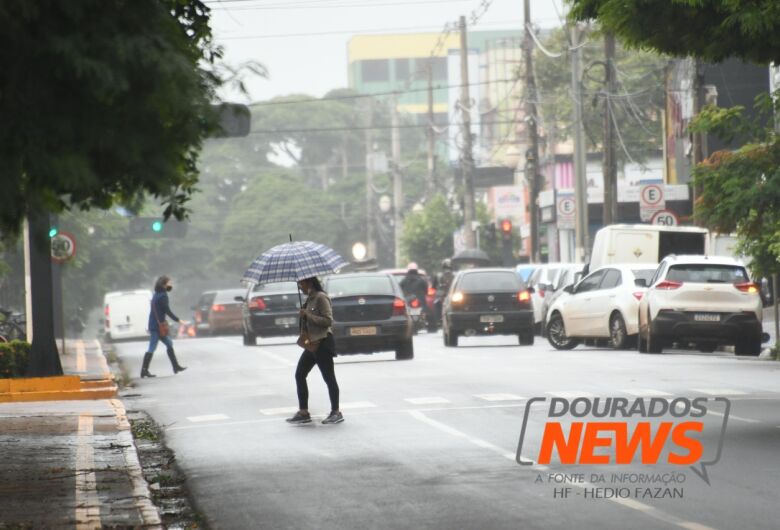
145 430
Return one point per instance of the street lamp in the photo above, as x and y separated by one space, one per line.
359 251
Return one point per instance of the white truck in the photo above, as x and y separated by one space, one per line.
126 314
645 243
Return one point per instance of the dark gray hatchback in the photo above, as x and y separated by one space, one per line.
488 302
369 314
270 310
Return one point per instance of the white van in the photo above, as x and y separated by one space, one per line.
126 314
644 243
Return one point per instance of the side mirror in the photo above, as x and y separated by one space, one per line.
239 299
640 282
569 289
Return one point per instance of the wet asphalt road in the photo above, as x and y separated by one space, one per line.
431 443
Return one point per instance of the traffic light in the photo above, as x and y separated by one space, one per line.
53 231
154 227
506 228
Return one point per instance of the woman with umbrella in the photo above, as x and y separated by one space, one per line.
303 261
316 320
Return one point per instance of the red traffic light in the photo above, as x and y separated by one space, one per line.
506 226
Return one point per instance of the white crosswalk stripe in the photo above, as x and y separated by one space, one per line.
720 391
279 410
570 395
208 417
499 397
433 400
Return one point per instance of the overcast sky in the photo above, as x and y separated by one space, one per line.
303 43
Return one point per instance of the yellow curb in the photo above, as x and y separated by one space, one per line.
58 388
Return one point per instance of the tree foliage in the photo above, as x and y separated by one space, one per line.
740 190
102 101
712 30
427 236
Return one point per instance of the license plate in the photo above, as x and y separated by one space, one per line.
124 326
706 317
363 331
491 319
286 321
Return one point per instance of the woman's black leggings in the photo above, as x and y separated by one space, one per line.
323 358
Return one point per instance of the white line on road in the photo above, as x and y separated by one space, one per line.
87 500
357 405
207 417
720 391
570 395
277 358
433 400
81 360
732 417
279 410
499 397
646 392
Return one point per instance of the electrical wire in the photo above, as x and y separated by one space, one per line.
306 6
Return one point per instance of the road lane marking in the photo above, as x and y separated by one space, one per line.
720 391
277 358
570 395
499 397
81 360
433 400
87 500
279 410
647 392
207 417
732 417
357 405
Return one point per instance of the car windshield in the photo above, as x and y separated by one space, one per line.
279 287
706 273
359 285
490 281
643 274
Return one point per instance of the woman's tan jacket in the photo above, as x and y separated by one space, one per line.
319 315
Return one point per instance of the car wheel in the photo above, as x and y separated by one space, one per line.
405 351
707 347
748 347
450 338
250 339
556 334
653 343
526 338
617 332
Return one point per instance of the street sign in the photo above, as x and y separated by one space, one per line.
63 247
665 218
566 209
651 200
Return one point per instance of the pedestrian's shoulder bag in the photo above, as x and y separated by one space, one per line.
163 328
303 340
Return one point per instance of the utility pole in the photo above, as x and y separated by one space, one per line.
467 159
431 183
532 155
398 193
580 185
609 166
370 236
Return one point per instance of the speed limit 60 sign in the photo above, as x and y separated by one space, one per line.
665 218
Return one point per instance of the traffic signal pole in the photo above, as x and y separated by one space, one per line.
532 156
467 158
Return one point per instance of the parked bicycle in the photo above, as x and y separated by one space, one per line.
12 326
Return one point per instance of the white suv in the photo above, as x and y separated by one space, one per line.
706 300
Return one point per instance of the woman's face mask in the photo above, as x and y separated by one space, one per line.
169 288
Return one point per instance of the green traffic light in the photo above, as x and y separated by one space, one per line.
157 226
53 231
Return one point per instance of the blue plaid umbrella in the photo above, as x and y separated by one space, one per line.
293 261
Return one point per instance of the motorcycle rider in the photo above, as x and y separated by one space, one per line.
442 283
414 285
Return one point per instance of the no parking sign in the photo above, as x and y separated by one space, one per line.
566 210
651 200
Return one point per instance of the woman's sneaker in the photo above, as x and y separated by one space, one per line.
300 417
333 417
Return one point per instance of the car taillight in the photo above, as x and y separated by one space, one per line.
638 295
257 303
668 285
523 296
415 303
217 308
399 307
431 291
540 291
457 298
747 287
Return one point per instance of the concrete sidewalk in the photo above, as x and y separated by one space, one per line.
68 460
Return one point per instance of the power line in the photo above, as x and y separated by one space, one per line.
299 6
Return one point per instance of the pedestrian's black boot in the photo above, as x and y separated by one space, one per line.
176 367
145 366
